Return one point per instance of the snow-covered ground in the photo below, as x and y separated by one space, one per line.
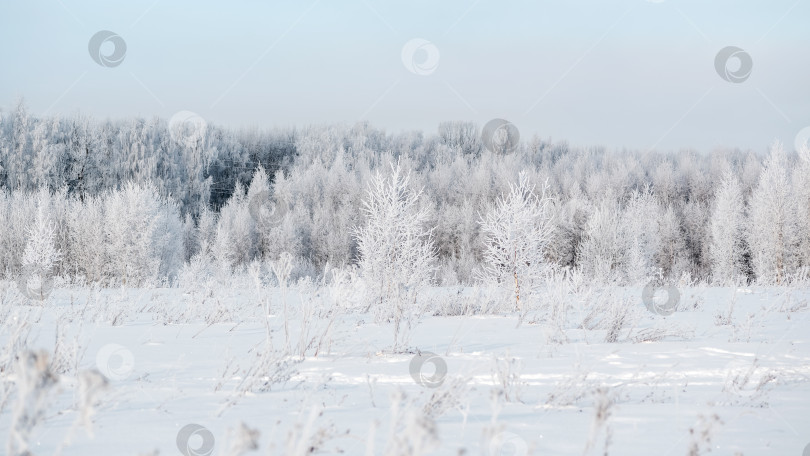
737 384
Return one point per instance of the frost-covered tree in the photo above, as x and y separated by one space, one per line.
517 231
41 255
462 136
801 192
601 251
17 210
19 156
694 217
727 231
772 226
261 210
397 256
144 235
206 231
87 256
671 257
318 175
639 231
666 184
42 169
235 243
190 245
571 219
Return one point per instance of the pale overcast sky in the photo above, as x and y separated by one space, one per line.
632 73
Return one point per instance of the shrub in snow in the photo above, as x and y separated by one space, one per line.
318 315
747 381
242 439
701 434
450 395
91 385
16 326
308 436
35 381
604 400
506 377
282 269
265 368
68 349
412 432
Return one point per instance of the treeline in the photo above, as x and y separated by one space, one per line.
88 157
128 199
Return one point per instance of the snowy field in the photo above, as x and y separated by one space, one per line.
405 228
727 373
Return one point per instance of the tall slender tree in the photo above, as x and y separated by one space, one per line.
772 226
517 232
727 231
397 256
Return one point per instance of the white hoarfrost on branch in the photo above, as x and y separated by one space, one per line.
41 254
144 235
727 223
517 231
600 253
773 228
397 256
